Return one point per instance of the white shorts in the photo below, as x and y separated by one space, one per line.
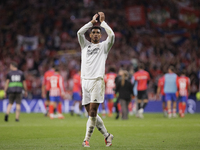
93 91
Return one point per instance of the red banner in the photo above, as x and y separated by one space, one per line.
135 15
158 17
188 17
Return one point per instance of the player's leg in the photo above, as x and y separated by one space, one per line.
18 106
59 106
164 107
91 123
174 98
52 105
47 103
11 98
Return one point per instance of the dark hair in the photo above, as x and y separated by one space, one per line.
171 68
183 72
14 64
95 27
56 69
141 66
111 69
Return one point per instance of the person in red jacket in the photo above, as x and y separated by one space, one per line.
141 77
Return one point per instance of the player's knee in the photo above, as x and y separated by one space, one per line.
93 112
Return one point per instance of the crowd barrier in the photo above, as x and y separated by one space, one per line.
37 106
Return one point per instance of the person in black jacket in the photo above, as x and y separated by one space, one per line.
125 90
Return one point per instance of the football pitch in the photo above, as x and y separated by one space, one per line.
154 132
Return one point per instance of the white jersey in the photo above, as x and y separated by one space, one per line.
93 56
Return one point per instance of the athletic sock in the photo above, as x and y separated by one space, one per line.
91 123
183 108
110 106
174 111
180 108
60 108
100 126
139 106
144 105
51 109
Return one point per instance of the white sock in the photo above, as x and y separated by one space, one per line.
91 123
100 126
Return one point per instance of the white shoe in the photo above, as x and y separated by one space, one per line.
85 144
140 113
169 116
174 115
108 140
60 116
51 116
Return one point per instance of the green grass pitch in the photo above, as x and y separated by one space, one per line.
154 132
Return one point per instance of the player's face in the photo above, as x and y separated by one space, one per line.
95 35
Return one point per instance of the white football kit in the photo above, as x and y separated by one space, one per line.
93 60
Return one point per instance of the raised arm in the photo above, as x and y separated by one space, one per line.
111 36
81 37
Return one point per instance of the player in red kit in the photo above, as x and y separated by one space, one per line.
183 89
56 90
76 96
160 90
109 89
141 77
45 91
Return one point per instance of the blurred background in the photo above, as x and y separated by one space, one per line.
159 33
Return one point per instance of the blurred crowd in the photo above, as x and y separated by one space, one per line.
35 33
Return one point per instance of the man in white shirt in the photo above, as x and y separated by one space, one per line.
93 60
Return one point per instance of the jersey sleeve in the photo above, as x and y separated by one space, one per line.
81 37
111 36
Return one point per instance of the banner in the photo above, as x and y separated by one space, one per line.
158 17
188 17
27 43
37 106
135 15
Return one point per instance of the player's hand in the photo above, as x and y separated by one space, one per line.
101 16
94 19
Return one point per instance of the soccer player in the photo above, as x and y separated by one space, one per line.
183 90
15 83
170 89
45 91
110 85
93 59
141 77
55 85
160 90
76 96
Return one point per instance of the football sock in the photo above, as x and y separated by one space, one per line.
51 109
180 108
110 106
183 107
91 123
174 110
47 108
100 126
139 106
169 111
59 108
144 105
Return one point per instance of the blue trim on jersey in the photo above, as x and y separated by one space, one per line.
183 98
76 96
55 98
170 97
